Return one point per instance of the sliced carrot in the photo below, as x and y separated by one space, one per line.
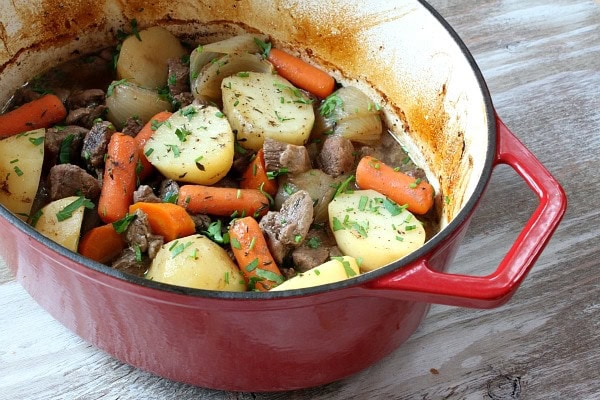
142 137
255 176
398 186
101 243
222 201
252 254
120 178
301 73
166 219
39 113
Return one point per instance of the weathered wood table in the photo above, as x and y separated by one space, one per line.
542 64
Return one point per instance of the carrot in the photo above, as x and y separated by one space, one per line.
301 73
142 137
255 176
222 201
120 178
398 186
39 113
101 243
252 254
166 219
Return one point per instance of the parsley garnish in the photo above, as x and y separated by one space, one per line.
214 233
64 154
121 225
330 104
69 209
265 47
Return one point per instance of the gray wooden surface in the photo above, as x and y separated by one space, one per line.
541 60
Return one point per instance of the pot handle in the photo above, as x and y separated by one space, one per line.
421 283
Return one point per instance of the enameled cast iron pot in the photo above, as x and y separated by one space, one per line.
434 99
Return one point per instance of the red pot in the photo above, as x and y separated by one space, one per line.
434 98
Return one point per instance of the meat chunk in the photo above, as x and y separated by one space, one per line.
86 116
132 126
139 235
336 156
278 155
315 250
66 180
169 190
85 98
56 138
179 76
128 262
287 228
145 194
95 145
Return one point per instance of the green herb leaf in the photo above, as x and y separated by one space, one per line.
265 47
121 225
69 209
64 153
392 207
329 105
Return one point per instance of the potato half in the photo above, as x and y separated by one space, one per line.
335 270
61 221
262 105
21 159
197 262
195 145
368 226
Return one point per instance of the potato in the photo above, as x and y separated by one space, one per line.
195 145
197 262
368 226
61 220
145 61
264 105
21 159
335 270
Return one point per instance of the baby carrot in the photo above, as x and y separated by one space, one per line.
301 73
142 137
101 243
255 176
398 186
222 201
120 178
39 113
252 254
166 219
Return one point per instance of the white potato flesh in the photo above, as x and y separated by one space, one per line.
21 159
196 262
335 270
195 145
61 221
145 61
264 105
368 226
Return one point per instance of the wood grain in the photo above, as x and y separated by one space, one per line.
541 61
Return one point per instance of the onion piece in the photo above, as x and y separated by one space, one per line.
203 55
207 86
350 113
126 99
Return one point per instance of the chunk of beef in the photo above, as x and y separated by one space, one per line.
132 126
145 194
318 247
95 145
55 137
85 98
86 116
201 221
169 190
184 99
287 228
417 173
241 161
179 76
139 234
70 180
128 263
280 155
337 156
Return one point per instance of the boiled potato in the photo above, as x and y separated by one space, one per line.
61 220
368 226
335 270
197 262
195 145
144 60
21 159
207 86
264 105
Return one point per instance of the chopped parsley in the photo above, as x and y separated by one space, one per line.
69 209
121 225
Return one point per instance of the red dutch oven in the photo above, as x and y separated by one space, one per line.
405 56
